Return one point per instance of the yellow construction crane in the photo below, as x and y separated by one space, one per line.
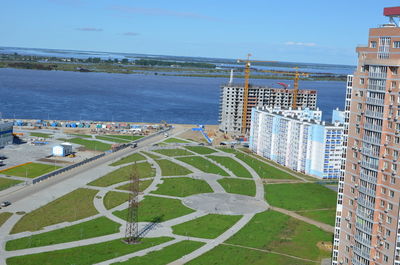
297 76
246 88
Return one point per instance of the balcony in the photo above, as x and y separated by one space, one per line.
376 88
366 204
369 165
367 191
370 179
369 152
364 228
375 101
363 241
361 253
354 261
372 140
373 127
377 75
374 114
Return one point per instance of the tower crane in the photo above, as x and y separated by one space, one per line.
297 76
246 88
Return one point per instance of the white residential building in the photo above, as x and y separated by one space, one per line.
299 140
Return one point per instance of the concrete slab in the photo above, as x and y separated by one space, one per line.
225 203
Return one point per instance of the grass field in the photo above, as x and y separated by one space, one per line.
126 137
31 170
97 227
41 135
202 150
155 207
144 170
4 217
307 177
90 144
228 150
89 254
169 168
175 140
129 159
174 152
182 187
292 196
208 226
6 183
232 165
151 155
115 198
323 216
204 165
143 184
81 135
234 255
264 170
165 255
238 186
111 139
73 206
274 231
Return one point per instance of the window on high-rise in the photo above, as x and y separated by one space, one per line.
372 44
396 44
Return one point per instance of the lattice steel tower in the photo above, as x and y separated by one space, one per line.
132 228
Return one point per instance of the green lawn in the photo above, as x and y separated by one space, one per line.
151 155
126 137
174 152
31 170
264 170
154 207
300 196
275 231
144 170
238 186
81 135
202 150
182 187
143 184
5 183
323 216
169 168
232 165
228 150
165 255
204 165
111 139
89 254
4 217
90 144
208 226
73 206
41 135
129 159
97 227
233 255
175 140
115 198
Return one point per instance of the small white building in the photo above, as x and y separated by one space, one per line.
63 149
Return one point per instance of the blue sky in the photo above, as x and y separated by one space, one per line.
291 30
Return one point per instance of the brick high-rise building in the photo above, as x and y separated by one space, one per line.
367 230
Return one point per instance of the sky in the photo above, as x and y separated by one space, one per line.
312 31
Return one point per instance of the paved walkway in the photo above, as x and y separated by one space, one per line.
227 202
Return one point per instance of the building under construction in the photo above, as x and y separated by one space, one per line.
231 103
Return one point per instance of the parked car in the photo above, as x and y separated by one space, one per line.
5 204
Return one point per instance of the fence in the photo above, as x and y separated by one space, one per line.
120 147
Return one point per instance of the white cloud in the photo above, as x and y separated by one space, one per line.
307 44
